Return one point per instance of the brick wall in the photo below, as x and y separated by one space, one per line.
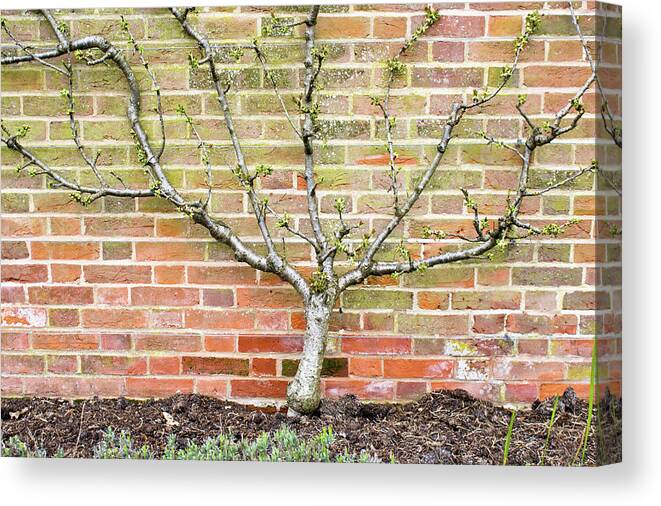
126 297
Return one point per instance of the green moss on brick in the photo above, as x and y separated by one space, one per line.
377 299
14 202
115 250
331 367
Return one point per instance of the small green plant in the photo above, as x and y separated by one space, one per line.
548 431
14 447
120 446
318 281
284 445
588 425
508 438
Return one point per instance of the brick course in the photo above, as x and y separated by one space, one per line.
129 298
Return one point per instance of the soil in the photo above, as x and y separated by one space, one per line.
444 427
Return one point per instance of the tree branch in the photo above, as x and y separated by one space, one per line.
275 263
365 266
606 115
308 131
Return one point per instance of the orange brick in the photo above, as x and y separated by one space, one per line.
365 366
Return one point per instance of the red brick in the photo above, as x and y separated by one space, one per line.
157 387
218 297
14 250
11 386
163 342
65 226
555 77
172 319
215 365
586 300
501 51
65 342
169 274
410 390
486 300
16 227
540 324
116 296
270 344
500 26
169 366
589 253
416 368
131 226
533 347
547 390
117 274
446 51
115 342
274 389
169 251
390 27
572 347
113 365
528 370
115 318
498 276
370 367
63 317
376 345
521 392
65 250
219 343
229 276
271 320
164 296
447 77
74 387
60 295
14 341
30 273
509 5
22 364
335 27
456 26
213 387
263 367
433 300
12 294
65 273
62 364
268 297
200 319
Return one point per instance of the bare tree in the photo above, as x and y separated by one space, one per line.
319 292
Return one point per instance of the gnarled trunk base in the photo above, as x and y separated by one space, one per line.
304 392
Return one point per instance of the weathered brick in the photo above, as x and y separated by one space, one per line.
258 388
113 365
215 365
445 325
60 295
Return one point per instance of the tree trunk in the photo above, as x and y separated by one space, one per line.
304 392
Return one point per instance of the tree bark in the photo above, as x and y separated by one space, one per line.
304 392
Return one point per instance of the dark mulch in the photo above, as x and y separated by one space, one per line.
445 427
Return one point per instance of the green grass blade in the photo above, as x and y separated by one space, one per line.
548 432
508 438
593 375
